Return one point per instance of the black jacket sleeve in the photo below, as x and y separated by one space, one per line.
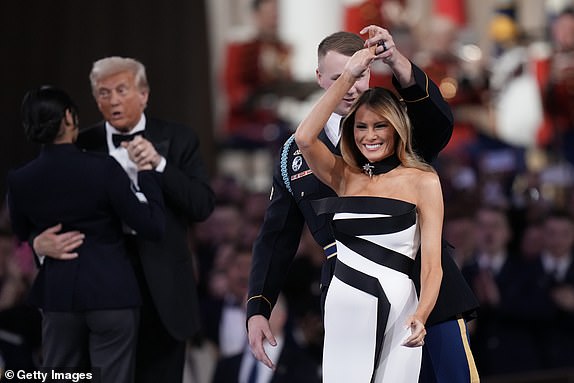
147 218
429 113
185 179
274 248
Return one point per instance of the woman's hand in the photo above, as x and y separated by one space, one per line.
418 332
360 62
381 42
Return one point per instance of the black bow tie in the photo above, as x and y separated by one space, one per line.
117 139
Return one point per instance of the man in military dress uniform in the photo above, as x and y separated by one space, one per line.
295 187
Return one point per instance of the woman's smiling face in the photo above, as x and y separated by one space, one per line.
374 135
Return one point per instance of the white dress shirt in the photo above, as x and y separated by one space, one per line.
333 128
556 266
492 262
232 332
121 154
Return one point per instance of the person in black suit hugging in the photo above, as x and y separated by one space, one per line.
169 314
90 300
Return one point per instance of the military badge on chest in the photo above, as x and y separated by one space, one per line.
296 166
297 162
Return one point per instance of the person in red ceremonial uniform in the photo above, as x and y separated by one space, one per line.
255 72
392 14
460 83
559 90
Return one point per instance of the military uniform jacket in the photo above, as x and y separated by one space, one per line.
294 187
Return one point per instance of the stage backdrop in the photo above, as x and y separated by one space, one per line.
56 41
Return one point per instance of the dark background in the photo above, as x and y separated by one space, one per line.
56 41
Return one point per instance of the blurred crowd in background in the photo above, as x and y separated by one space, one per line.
507 177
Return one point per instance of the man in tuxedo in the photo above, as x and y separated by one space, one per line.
169 314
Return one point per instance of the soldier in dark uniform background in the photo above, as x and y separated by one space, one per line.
294 187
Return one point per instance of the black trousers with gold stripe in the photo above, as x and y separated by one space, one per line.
447 357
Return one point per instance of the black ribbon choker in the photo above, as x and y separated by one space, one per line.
383 166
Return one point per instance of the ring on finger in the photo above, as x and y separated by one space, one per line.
383 44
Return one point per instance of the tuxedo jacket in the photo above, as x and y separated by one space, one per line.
167 264
295 187
91 193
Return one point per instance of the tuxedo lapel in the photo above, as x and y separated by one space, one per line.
157 136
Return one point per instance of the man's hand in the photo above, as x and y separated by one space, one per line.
142 153
257 330
387 51
58 246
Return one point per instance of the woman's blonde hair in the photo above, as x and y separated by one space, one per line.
386 104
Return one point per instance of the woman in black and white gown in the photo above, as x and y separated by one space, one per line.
389 210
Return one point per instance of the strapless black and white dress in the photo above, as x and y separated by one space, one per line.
371 295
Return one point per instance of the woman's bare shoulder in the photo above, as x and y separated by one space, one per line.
418 173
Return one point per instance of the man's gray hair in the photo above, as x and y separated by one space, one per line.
109 66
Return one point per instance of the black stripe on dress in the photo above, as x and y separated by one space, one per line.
375 253
369 285
372 225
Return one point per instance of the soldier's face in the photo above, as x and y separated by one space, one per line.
330 68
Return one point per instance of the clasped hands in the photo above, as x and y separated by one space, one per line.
379 46
142 153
